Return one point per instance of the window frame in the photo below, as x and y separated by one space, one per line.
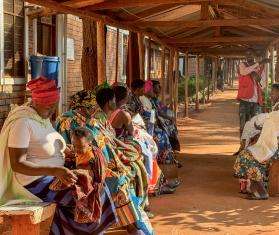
2 41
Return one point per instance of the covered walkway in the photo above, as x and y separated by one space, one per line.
208 201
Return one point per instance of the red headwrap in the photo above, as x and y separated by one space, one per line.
43 91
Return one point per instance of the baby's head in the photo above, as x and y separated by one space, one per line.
81 139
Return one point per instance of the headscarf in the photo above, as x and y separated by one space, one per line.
148 86
44 91
83 99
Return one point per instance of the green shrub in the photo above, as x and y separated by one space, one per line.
191 87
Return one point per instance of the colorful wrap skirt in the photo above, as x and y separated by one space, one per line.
247 167
63 221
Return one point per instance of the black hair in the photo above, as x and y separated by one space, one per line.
82 132
103 96
155 82
137 84
120 93
275 86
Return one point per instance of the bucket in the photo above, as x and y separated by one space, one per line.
36 63
50 67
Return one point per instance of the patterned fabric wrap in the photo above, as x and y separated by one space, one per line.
120 177
87 189
64 219
247 167
160 135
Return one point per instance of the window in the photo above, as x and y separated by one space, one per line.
13 38
46 36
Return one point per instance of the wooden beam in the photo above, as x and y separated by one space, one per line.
186 99
220 40
141 55
163 79
197 82
101 55
116 4
209 23
81 3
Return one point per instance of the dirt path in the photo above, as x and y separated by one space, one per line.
208 201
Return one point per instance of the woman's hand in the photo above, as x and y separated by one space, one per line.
66 176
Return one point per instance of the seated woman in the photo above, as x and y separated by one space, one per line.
166 155
33 154
165 116
122 121
86 113
252 163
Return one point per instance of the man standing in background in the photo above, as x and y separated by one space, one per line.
250 88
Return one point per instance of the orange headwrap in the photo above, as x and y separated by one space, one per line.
43 91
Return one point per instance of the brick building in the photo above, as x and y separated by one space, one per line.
56 35
21 36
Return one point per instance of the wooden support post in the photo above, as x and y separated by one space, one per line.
233 73
170 77
277 64
267 71
116 55
272 72
204 79
209 78
215 74
101 48
163 79
176 69
89 67
148 59
141 55
186 101
197 82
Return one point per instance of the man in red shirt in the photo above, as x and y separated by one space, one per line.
250 89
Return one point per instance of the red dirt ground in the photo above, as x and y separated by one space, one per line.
208 202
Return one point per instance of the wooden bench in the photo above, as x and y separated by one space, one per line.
26 218
273 179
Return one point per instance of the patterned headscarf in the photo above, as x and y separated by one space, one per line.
83 99
86 98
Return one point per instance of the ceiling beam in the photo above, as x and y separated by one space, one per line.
209 23
232 40
81 3
59 7
116 4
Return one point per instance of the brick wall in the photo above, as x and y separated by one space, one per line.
10 94
74 79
